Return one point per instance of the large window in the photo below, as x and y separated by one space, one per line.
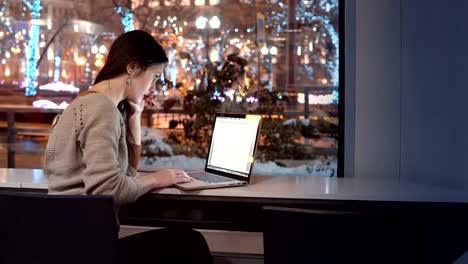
276 58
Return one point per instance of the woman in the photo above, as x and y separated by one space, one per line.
94 146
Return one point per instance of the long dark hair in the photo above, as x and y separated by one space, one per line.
135 46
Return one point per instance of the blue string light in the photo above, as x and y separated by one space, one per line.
336 97
57 68
126 16
35 9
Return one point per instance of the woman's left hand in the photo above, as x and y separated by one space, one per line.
136 109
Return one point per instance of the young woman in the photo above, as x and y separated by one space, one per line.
94 147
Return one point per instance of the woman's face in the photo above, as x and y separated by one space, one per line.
145 81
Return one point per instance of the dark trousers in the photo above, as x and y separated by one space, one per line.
164 246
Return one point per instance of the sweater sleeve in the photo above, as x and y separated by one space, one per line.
99 139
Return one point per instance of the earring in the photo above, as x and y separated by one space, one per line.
129 81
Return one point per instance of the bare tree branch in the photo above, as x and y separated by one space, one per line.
51 41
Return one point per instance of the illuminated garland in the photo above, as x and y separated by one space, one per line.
35 9
328 5
310 12
332 65
57 61
126 16
169 22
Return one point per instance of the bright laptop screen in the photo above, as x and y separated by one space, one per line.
233 144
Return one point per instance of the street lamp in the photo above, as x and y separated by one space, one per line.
200 23
213 23
268 53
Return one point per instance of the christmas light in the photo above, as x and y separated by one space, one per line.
336 96
309 15
35 8
57 68
319 18
126 16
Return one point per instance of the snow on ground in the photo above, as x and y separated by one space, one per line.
178 161
317 167
271 168
148 134
314 168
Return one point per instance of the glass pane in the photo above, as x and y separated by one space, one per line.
276 58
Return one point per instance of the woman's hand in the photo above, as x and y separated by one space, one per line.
136 109
168 177
161 179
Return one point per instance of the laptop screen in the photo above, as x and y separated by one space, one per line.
233 144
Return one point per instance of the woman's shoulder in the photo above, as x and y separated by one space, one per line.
92 106
93 103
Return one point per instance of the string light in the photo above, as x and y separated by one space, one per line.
309 15
318 16
126 16
31 72
57 68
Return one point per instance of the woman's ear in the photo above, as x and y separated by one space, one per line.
132 68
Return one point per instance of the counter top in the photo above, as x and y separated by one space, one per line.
285 187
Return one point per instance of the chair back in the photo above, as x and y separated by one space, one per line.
53 229
402 234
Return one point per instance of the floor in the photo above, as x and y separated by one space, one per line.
227 247
28 154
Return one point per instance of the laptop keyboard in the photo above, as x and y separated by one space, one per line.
210 178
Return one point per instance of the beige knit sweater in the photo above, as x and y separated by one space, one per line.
87 151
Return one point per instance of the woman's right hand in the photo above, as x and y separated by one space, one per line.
168 177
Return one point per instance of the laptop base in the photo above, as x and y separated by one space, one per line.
200 185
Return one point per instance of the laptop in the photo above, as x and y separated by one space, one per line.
231 154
